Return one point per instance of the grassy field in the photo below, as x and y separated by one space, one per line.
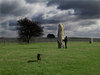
81 58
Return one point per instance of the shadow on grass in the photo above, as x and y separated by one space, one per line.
30 61
31 48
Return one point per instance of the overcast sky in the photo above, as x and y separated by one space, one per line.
81 18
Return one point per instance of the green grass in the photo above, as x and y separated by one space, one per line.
81 58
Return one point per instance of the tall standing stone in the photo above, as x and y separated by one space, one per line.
60 36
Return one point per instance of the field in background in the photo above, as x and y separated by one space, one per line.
81 58
44 39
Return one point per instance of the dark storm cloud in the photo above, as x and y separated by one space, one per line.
12 29
35 1
8 28
51 27
14 8
40 19
13 22
10 22
83 8
8 7
55 17
3 32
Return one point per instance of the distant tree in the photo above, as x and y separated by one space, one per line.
28 29
50 36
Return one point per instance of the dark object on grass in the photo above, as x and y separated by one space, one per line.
38 56
91 40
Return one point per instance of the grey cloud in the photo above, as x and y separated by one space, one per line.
9 22
13 22
12 29
83 8
87 23
8 33
35 1
57 17
15 8
87 34
8 27
45 21
51 27
8 7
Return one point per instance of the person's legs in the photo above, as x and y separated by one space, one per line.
65 44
